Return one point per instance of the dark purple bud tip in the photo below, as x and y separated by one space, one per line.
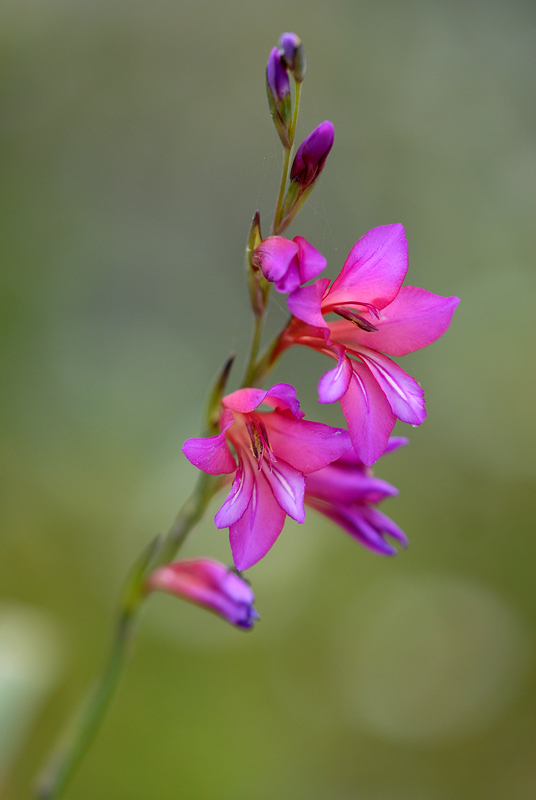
277 81
311 155
293 54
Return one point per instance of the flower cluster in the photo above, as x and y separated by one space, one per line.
275 461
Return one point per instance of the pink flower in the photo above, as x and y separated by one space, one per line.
208 584
274 451
288 263
379 316
346 492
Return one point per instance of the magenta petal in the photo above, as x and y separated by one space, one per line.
311 261
258 528
244 400
338 484
282 397
306 303
368 415
291 280
334 383
374 269
414 319
273 256
306 446
404 394
211 454
238 498
288 486
395 442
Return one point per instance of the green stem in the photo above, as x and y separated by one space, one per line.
254 350
82 730
286 162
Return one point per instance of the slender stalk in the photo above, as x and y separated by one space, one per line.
286 162
82 730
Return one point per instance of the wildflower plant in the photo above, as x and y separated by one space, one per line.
256 444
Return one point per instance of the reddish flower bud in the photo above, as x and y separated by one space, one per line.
311 155
208 584
278 90
293 54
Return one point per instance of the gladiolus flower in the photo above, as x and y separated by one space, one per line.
378 315
274 451
209 584
288 263
346 492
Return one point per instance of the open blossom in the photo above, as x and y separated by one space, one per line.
288 263
378 316
347 492
274 451
209 584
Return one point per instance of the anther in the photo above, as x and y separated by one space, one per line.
356 319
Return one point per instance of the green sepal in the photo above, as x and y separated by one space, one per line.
212 415
258 286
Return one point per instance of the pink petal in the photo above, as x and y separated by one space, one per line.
281 396
291 280
395 442
311 261
306 303
212 454
238 498
288 486
374 269
244 400
339 484
404 394
258 528
306 446
354 520
334 383
274 255
368 415
414 319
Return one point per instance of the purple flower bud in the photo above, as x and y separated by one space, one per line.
277 77
311 155
293 54
278 90
208 584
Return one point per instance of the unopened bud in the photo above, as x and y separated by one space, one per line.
208 584
307 165
278 90
293 55
311 155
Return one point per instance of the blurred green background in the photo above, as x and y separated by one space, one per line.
135 146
